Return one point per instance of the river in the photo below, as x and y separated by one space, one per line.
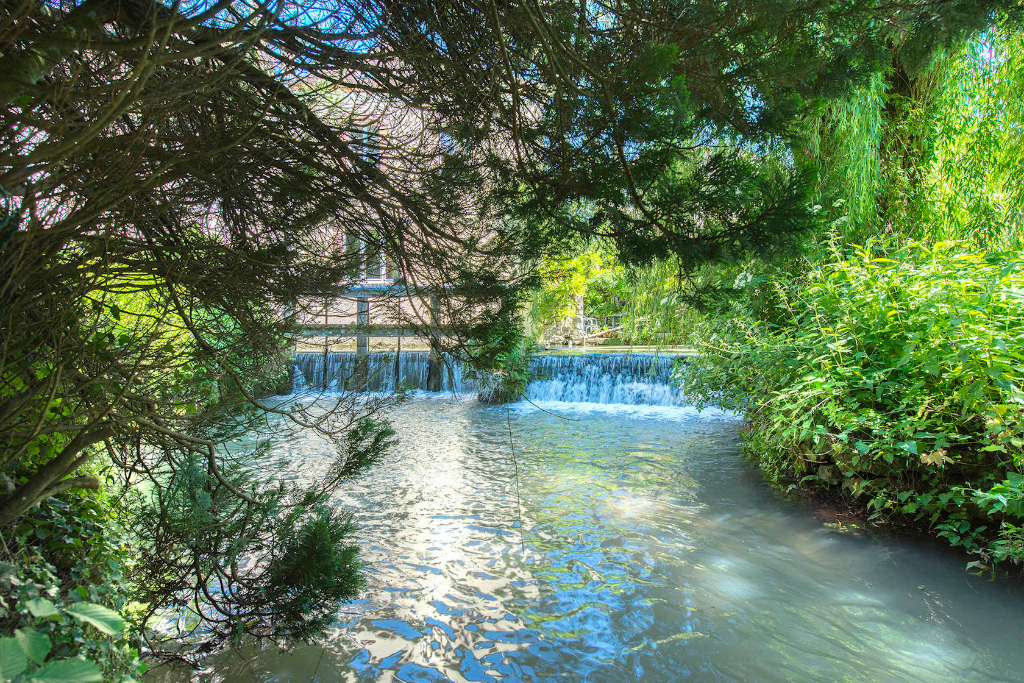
622 542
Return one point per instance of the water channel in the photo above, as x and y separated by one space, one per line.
626 540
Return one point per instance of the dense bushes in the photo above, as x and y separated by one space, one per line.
897 373
59 589
650 300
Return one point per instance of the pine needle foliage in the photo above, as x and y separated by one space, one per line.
313 569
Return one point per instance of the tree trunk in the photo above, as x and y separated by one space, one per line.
46 480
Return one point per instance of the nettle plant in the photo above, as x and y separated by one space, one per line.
900 367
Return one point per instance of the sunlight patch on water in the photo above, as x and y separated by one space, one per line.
641 412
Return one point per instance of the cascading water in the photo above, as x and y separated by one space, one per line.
339 370
630 379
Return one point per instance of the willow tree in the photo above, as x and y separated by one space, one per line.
926 148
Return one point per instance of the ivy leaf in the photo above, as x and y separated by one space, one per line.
41 607
104 619
35 644
75 670
12 659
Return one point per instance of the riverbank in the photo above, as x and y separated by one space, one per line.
842 514
894 378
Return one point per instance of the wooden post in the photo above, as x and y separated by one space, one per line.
361 375
324 381
434 364
398 367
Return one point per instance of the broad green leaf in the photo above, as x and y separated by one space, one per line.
909 446
75 670
104 619
41 607
35 644
12 659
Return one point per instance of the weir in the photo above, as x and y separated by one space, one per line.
340 370
630 379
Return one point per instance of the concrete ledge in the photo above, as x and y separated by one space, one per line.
603 348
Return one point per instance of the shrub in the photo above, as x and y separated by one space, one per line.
903 368
61 587
502 376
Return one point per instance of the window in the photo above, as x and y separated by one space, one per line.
366 142
353 256
367 260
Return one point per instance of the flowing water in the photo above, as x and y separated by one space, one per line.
383 372
621 543
631 379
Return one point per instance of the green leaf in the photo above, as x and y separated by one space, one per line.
41 607
75 670
104 619
12 659
35 644
909 446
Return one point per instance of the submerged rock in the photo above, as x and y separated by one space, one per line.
829 475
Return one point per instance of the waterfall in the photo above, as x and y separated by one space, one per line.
631 379
338 371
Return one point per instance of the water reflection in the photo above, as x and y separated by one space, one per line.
648 550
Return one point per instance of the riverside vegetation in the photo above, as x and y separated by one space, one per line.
895 373
894 369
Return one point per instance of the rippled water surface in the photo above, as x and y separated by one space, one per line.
648 550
